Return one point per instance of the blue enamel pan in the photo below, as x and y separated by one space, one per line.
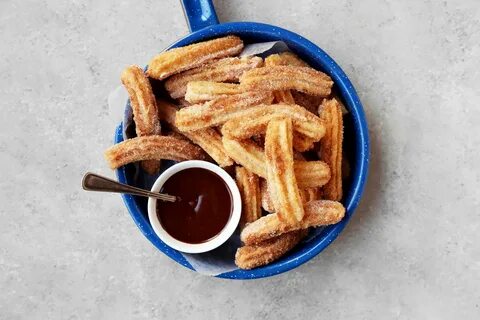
204 25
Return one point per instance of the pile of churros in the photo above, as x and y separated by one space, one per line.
273 122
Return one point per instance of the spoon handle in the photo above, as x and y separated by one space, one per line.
95 182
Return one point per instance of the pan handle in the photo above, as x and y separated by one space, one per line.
199 14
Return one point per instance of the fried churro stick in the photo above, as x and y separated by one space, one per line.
218 111
249 257
208 139
144 108
273 78
249 186
317 213
285 59
176 60
223 70
290 59
309 174
254 121
280 172
152 148
201 91
331 147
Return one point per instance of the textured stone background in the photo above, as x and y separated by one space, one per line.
412 250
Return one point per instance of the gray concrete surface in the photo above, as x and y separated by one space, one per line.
411 252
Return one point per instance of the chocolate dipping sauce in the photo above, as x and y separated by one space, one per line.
204 208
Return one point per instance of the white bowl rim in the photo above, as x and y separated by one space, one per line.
220 238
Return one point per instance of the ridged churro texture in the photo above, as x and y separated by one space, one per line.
284 59
311 174
152 148
144 108
208 139
219 111
331 147
317 213
248 154
282 183
249 185
223 70
176 60
201 91
249 257
247 123
273 78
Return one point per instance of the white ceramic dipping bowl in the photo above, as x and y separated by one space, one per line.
214 242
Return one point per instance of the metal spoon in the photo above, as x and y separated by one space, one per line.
95 182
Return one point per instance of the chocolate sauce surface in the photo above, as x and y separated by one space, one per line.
204 208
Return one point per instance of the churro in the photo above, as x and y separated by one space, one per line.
208 139
223 70
176 60
249 257
201 91
152 148
273 78
309 174
144 108
331 147
254 121
285 59
219 111
282 183
249 186
317 213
